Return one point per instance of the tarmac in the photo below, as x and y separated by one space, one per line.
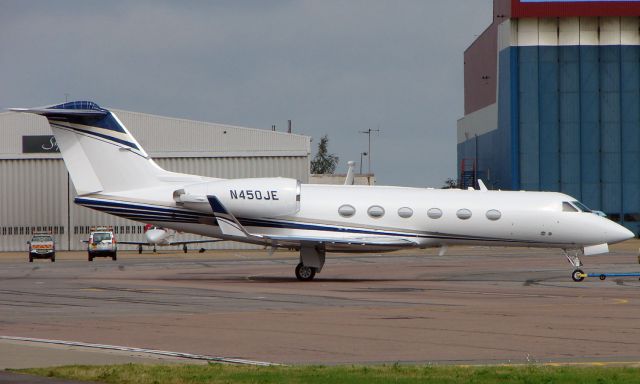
475 305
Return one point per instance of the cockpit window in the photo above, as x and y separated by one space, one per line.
581 206
566 207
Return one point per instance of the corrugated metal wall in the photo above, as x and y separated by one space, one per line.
33 197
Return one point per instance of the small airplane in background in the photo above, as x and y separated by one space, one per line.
158 236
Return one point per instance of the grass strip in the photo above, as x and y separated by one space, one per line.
396 373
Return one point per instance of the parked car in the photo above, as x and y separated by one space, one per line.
42 246
102 243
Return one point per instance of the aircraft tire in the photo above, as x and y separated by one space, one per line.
114 257
90 257
139 249
304 273
577 275
184 248
30 258
603 276
53 258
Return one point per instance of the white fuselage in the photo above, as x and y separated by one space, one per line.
158 236
534 219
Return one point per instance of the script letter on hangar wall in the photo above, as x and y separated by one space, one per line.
39 144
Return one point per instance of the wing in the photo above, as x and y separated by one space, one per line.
231 227
134 242
193 242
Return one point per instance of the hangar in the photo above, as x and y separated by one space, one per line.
36 192
552 103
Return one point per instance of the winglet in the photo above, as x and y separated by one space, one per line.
229 225
483 187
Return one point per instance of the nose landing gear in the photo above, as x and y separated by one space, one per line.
572 256
578 275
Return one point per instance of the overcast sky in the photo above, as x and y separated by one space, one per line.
333 67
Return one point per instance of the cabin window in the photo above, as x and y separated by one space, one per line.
405 212
493 214
375 211
434 213
463 214
566 207
346 210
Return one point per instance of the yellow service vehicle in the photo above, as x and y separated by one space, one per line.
42 246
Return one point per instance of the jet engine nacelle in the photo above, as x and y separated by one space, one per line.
259 197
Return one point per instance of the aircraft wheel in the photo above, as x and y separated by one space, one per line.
90 257
603 276
577 275
184 248
114 256
30 258
139 249
304 273
53 258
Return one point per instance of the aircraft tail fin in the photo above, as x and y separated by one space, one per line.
98 150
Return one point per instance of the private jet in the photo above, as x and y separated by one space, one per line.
112 173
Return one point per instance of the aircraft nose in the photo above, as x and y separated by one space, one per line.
153 236
616 233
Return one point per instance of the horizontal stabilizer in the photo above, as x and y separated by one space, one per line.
72 109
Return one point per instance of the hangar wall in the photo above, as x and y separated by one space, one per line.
36 192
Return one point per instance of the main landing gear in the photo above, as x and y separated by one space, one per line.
311 261
305 273
572 256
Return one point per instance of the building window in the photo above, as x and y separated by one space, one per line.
405 212
493 214
375 211
434 213
346 210
463 214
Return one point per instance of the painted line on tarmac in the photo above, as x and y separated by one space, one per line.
182 355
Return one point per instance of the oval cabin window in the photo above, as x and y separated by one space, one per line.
463 214
434 213
375 211
405 212
493 214
346 210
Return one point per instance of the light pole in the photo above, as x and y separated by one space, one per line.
368 132
362 154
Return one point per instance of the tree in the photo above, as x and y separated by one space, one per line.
450 183
324 162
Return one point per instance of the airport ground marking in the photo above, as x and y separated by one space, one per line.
183 355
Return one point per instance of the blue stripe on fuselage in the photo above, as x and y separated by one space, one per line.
168 214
